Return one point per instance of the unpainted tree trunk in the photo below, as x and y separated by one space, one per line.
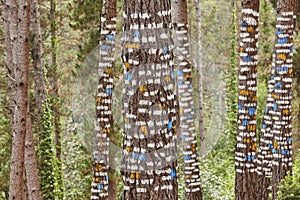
16 20
31 169
150 108
245 153
186 105
37 54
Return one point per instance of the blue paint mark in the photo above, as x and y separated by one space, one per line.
253 157
182 138
135 156
172 75
187 157
247 58
266 110
240 107
272 77
142 157
274 151
110 36
189 116
104 47
173 174
245 157
292 49
251 111
249 158
100 187
165 50
136 34
275 106
291 93
278 85
128 77
244 24
170 125
95 156
180 73
279 32
108 91
279 69
180 82
106 178
270 146
191 85
283 152
245 122
264 126
282 40
289 139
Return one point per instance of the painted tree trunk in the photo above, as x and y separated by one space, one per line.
245 180
16 23
200 81
186 104
281 113
150 108
100 183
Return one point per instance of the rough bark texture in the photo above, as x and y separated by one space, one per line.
100 183
37 54
32 174
245 179
281 145
149 166
200 82
16 23
275 150
186 104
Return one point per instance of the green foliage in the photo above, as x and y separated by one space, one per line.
76 168
46 154
217 177
231 87
289 187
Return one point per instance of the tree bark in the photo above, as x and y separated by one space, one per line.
281 130
245 179
186 104
150 108
32 174
101 183
37 53
16 39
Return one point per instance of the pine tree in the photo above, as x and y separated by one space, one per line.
149 166
245 188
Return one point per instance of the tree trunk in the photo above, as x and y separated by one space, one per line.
32 174
37 53
186 104
245 180
200 82
100 183
16 38
149 165
281 130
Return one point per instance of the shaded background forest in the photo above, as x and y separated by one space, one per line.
77 29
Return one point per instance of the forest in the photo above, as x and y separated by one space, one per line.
149 100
